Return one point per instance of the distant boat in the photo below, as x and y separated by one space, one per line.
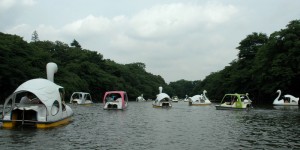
287 100
235 102
42 104
175 99
81 98
162 100
140 99
199 100
115 100
186 99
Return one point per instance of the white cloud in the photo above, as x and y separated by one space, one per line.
169 19
168 38
88 25
6 4
28 2
175 40
21 29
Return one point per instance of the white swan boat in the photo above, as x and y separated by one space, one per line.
43 107
186 99
287 100
199 100
235 102
140 99
162 100
115 100
81 98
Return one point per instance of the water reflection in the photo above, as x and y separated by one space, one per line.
181 127
286 107
271 129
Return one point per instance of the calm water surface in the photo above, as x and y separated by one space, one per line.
181 127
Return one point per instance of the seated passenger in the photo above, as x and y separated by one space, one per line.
29 98
233 101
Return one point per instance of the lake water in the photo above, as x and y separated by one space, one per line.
182 127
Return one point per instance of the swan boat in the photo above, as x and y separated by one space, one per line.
140 99
235 102
45 109
287 100
199 100
115 100
162 100
81 98
186 99
175 99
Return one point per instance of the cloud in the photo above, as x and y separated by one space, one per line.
168 19
6 4
88 25
28 2
175 40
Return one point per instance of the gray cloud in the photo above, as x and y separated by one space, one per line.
175 39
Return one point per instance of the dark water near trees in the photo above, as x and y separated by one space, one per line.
181 127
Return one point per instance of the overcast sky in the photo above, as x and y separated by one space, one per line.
176 39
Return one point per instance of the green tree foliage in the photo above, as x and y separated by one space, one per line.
35 36
278 62
250 45
76 44
182 88
78 69
264 65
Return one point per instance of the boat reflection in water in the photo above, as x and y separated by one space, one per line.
286 107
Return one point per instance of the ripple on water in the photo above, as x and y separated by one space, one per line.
181 127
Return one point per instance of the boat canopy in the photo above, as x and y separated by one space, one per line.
238 97
44 89
122 95
161 96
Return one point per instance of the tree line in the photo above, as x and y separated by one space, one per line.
78 69
263 65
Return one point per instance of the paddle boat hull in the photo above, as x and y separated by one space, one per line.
115 100
285 104
162 105
198 104
230 107
15 122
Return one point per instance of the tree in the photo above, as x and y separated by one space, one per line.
35 36
249 46
75 44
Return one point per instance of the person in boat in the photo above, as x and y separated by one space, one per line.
29 98
286 100
110 98
233 100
